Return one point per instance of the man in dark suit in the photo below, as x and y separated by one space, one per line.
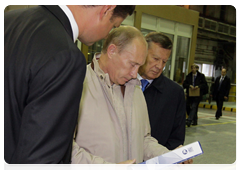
43 76
221 91
194 81
165 99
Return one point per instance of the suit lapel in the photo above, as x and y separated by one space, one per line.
61 16
158 83
217 81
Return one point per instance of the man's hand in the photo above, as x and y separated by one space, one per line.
181 165
196 87
193 88
225 97
124 165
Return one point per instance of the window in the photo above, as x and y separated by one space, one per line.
207 69
181 59
200 67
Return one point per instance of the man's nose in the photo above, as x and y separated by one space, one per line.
134 72
159 65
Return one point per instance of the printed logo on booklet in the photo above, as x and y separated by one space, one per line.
173 157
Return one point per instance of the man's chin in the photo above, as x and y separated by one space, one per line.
154 76
89 43
86 42
123 83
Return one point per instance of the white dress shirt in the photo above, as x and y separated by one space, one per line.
222 78
140 78
72 21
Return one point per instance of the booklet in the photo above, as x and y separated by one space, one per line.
177 155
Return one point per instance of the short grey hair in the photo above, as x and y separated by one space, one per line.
157 37
121 37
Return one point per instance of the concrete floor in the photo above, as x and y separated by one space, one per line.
225 104
217 137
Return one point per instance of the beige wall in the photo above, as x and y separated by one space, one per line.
174 13
170 12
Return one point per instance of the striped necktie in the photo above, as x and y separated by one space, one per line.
220 83
194 78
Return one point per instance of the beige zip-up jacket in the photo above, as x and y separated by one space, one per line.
112 129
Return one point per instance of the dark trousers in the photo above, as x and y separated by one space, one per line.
219 101
193 103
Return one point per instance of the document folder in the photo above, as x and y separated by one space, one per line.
195 92
177 155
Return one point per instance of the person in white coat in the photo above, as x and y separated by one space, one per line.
113 124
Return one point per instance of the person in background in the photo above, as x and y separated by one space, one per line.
113 124
188 107
43 76
194 81
204 91
165 98
221 91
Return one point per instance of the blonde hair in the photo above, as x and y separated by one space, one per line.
194 65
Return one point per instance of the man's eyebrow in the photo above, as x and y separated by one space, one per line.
159 57
135 63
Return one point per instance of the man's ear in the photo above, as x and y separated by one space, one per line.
106 10
112 50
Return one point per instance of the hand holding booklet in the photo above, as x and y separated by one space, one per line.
177 155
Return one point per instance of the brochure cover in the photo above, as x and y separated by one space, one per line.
195 92
178 155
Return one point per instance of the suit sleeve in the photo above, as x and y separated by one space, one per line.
51 111
151 146
186 83
228 87
203 82
177 135
216 84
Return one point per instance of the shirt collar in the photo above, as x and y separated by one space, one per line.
72 21
158 83
140 78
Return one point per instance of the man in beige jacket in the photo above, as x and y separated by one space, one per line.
113 123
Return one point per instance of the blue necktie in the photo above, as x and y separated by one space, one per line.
144 84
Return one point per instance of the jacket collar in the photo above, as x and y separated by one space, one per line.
159 83
72 21
61 16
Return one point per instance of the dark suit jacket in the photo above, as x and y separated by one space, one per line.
200 81
43 78
167 111
224 89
